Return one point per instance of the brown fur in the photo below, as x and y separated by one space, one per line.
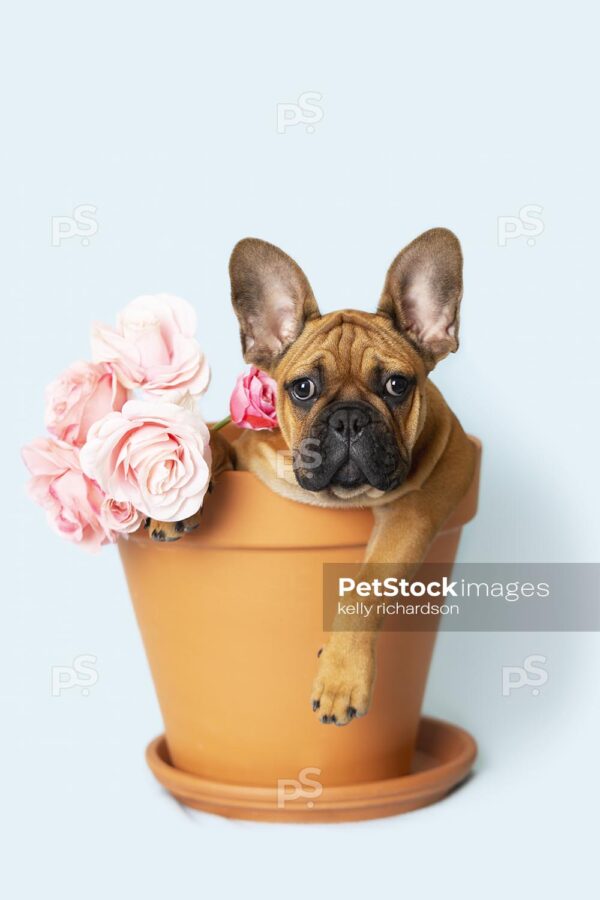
415 325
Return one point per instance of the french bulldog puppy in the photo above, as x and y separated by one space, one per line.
363 423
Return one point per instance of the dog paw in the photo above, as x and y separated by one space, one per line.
166 532
344 682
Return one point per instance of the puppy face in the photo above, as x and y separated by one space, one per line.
350 404
351 385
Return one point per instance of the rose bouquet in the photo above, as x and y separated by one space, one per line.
126 440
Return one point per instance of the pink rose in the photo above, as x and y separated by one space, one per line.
119 517
154 455
72 501
153 347
79 397
252 403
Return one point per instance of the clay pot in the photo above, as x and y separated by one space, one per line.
232 620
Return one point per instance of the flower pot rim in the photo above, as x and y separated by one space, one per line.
242 512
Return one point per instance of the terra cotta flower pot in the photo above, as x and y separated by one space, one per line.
232 619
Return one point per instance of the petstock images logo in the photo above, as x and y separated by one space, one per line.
464 597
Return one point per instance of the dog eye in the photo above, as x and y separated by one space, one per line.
396 385
304 389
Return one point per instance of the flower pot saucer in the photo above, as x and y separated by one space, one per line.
444 756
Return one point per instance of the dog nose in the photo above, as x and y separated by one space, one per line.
349 421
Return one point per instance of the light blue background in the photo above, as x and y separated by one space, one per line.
164 117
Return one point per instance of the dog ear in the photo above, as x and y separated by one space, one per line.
272 299
423 290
